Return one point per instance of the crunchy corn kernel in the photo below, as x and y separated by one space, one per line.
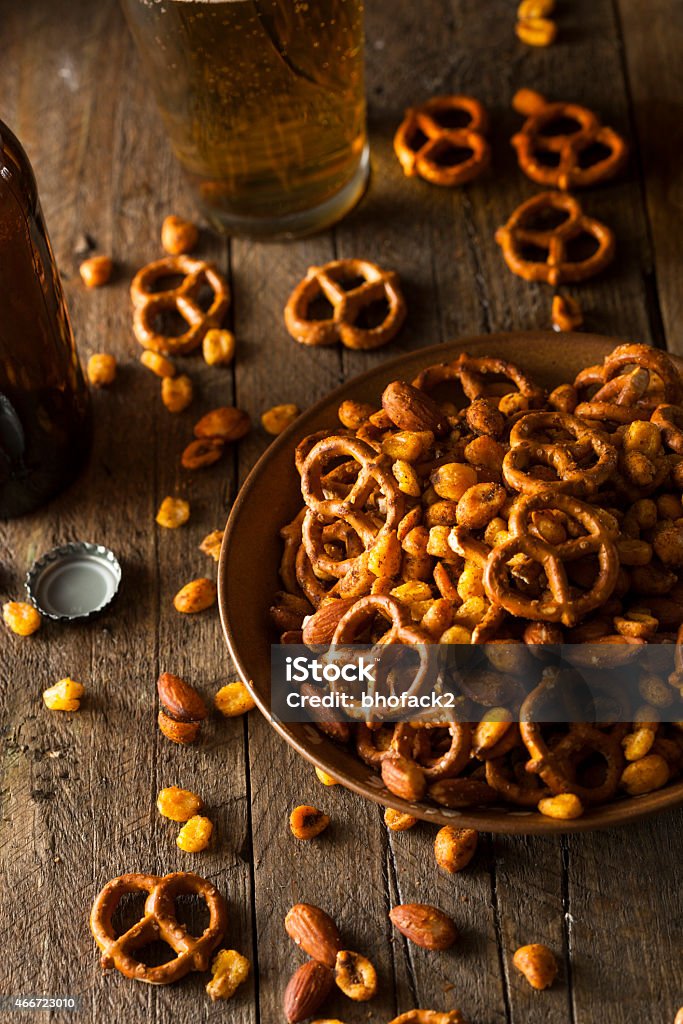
480 504
491 731
536 31
385 556
159 365
178 804
409 445
513 403
641 436
418 609
227 423
218 347
454 848
173 512
638 468
22 618
535 8
669 506
355 976
667 541
327 780
353 414
229 970
196 596
456 635
176 392
537 963
397 821
493 530
471 612
642 776
412 591
470 582
234 699
195 834
452 480
178 236
640 625
101 369
307 822
202 453
634 552
564 806
638 743
211 545
406 478
277 419
64 696
438 617
485 452
438 545
96 271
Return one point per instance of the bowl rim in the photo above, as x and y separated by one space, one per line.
522 822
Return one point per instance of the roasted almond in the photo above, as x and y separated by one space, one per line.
228 423
424 925
320 628
180 700
315 932
411 409
307 990
402 777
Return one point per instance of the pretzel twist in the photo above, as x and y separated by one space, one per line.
533 140
159 922
149 305
530 445
558 267
424 141
348 303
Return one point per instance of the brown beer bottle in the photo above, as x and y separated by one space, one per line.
44 402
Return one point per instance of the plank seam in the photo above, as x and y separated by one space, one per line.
498 929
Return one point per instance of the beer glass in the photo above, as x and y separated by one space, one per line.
264 104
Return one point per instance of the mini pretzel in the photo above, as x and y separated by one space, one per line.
557 765
472 373
567 457
149 304
532 141
424 141
374 473
557 268
560 604
159 922
636 378
347 304
670 419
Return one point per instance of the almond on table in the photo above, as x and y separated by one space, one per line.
22 618
173 512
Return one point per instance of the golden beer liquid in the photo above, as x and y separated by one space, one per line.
263 101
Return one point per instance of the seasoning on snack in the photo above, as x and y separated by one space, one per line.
427 144
176 392
538 965
211 545
178 804
159 922
159 365
234 699
218 347
307 822
277 419
230 970
195 596
195 834
397 821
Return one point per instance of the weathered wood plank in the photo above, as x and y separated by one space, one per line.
652 43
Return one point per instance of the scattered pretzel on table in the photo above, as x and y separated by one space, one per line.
158 923
428 140
475 508
150 305
524 230
350 286
534 141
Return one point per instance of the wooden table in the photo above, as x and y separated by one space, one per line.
78 791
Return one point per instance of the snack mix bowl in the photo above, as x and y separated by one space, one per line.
252 551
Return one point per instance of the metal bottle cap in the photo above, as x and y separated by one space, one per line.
74 581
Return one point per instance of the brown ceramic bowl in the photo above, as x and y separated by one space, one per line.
248 573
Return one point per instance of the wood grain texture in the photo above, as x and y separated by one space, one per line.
78 791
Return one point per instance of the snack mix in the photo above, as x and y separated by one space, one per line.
521 519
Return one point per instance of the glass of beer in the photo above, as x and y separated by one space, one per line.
264 104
